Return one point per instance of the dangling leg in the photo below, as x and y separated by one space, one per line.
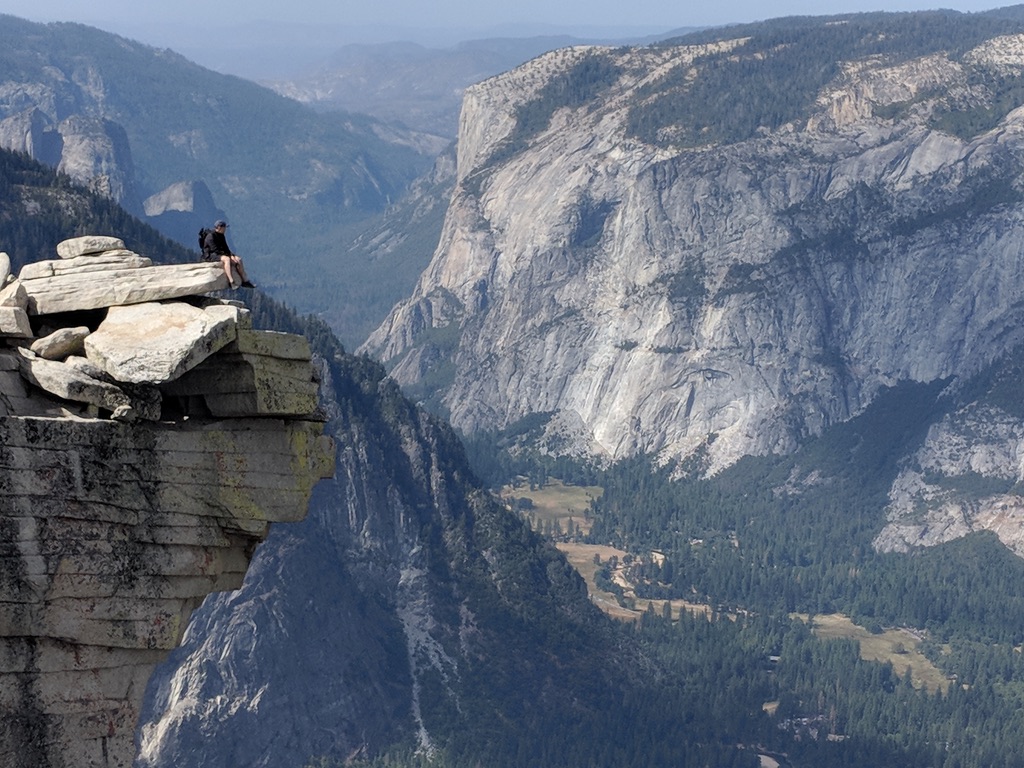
241 272
226 263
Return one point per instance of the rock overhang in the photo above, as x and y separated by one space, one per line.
148 437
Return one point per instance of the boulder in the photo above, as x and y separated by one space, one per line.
5 268
68 383
61 343
88 367
14 322
13 295
155 343
88 244
75 291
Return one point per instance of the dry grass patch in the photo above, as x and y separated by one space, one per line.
899 647
556 502
581 557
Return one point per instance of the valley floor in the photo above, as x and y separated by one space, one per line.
557 506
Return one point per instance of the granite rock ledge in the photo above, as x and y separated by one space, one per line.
148 438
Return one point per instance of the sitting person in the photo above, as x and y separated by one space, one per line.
216 247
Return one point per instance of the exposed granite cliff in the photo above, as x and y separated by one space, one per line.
409 608
731 298
966 476
148 437
90 149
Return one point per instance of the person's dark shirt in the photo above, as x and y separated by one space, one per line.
216 244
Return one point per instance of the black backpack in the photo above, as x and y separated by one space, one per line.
202 244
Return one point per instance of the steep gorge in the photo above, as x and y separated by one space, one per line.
394 614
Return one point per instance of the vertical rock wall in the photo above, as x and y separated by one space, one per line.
148 437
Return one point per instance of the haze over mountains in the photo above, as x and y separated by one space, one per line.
725 246
276 50
181 145
759 286
195 145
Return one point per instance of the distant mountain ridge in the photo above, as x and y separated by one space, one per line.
180 146
415 85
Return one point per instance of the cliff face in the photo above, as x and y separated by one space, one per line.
730 298
966 475
138 474
409 608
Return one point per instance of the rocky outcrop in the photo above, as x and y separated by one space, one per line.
408 602
965 477
111 279
96 151
180 209
91 150
728 299
128 489
31 131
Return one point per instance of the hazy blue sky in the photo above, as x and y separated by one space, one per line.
463 13
272 39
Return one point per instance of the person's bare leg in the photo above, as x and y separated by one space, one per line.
226 263
241 272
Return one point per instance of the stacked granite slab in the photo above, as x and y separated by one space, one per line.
94 272
155 328
148 437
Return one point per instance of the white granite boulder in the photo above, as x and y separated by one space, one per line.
14 323
154 343
88 244
13 295
61 343
5 268
89 368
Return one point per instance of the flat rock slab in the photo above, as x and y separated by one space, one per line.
77 290
287 346
100 262
69 383
89 244
155 343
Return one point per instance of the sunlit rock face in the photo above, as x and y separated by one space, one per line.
722 300
148 438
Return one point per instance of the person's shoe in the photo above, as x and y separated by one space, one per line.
247 284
